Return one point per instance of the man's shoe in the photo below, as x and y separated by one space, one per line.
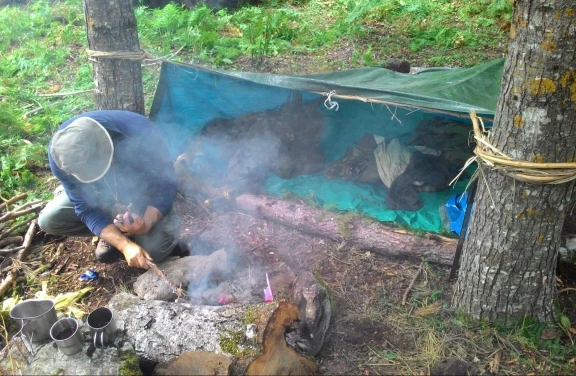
106 253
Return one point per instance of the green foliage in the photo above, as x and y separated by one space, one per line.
42 49
436 23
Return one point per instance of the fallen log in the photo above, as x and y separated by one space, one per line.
352 229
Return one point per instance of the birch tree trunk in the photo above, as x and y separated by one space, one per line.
508 267
111 28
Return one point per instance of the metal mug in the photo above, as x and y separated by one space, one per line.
36 317
102 326
67 335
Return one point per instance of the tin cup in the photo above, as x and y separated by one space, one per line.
36 317
67 335
102 326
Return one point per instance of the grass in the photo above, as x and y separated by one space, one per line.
413 338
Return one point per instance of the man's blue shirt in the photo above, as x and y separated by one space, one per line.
141 172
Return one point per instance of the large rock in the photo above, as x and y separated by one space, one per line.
196 363
181 271
314 305
114 360
160 331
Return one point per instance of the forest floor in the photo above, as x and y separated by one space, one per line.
380 326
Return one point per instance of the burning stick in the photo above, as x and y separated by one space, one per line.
177 290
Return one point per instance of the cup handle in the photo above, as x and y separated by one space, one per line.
101 332
25 337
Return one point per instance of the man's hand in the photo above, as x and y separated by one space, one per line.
131 223
136 256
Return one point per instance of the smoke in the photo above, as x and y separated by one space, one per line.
234 156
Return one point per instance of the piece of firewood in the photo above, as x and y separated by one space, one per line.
6 204
21 256
11 240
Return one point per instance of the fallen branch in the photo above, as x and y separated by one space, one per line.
7 251
27 205
11 277
15 214
405 296
14 199
66 94
566 290
11 240
17 227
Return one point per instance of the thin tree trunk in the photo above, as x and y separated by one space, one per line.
508 267
111 28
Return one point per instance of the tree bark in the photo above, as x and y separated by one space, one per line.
111 28
508 268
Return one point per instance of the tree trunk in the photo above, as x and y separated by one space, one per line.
508 267
111 28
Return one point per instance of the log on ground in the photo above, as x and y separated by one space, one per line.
353 229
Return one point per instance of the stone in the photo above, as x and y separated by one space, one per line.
119 359
314 304
160 331
180 271
571 242
452 367
196 363
397 65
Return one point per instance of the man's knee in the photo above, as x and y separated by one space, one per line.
158 248
58 218
46 222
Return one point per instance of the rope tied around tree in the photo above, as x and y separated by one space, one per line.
125 55
486 154
130 55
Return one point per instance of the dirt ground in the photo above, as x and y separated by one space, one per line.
371 331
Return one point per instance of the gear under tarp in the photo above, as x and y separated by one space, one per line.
370 100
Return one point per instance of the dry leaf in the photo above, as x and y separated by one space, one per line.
469 334
572 330
427 310
495 362
548 333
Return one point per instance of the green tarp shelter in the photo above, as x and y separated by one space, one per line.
356 102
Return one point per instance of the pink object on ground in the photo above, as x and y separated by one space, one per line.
268 295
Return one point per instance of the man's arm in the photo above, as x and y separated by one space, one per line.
135 255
